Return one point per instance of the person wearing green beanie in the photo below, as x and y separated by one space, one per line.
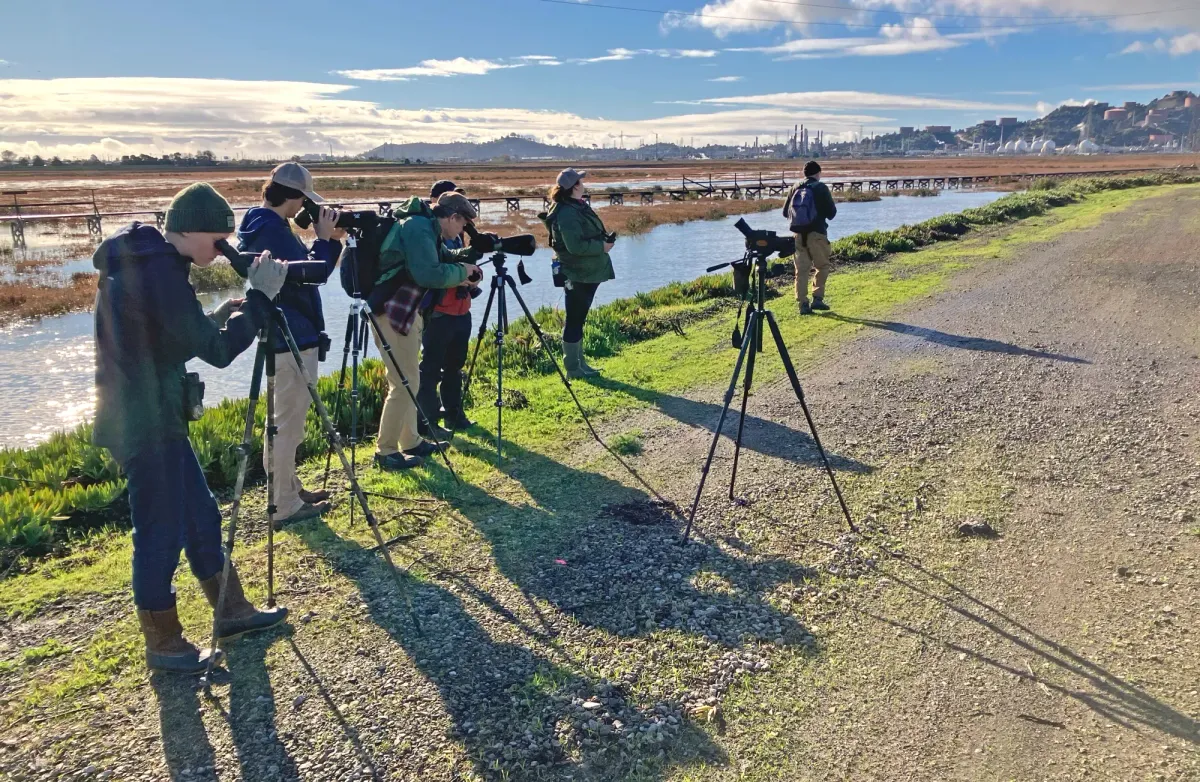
148 325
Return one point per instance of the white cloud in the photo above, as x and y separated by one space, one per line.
853 99
615 55
459 66
726 79
540 59
910 37
127 115
1185 44
4 63
723 17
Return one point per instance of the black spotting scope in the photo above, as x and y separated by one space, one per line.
765 243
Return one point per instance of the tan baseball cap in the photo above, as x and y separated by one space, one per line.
457 203
297 177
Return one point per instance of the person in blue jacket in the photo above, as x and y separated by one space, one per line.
266 227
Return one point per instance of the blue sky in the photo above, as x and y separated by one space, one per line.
295 77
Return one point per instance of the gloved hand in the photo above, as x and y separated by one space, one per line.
226 308
267 275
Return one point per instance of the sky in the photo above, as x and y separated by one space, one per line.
275 79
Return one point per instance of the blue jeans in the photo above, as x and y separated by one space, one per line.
173 510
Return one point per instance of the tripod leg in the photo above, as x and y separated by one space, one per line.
408 389
360 347
501 328
335 443
271 509
487 311
747 344
243 456
337 400
756 335
795 380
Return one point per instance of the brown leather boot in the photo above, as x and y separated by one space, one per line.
239 615
166 648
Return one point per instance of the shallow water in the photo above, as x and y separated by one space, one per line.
46 368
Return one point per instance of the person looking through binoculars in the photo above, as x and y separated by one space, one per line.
444 344
581 261
149 324
414 261
266 228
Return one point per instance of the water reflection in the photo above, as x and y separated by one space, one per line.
47 368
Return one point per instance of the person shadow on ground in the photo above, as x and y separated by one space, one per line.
251 715
955 340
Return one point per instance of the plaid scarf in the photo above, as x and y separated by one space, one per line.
402 308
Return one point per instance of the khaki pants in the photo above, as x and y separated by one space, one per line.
812 257
292 401
398 426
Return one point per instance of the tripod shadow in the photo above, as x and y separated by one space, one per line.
955 340
184 739
627 577
515 711
252 710
1103 692
762 436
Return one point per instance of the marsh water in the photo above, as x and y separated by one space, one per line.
46 367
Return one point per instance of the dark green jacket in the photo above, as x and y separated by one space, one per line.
414 244
577 236
149 324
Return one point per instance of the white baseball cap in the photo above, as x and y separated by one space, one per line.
297 177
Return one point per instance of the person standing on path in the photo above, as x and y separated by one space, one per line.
149 324
809 208
266 228
581 246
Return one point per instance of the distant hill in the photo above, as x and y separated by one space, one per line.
516 147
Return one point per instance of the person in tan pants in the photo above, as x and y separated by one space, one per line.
398 425
809 207
266 227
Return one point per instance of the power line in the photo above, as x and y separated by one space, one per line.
1032 24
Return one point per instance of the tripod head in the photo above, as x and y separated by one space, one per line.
498 261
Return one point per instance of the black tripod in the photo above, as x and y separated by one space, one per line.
752 344
264 359
359 323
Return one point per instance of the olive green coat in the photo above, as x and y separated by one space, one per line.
577 236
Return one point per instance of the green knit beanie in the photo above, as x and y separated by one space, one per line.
199 208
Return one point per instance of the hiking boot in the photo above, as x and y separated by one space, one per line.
426 448
166 648
805 309
238 615
307 511
432 432
819 304
458 420
397 461
313 497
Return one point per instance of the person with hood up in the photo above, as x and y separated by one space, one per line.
266 227
148 325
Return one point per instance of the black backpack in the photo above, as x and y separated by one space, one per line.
360 265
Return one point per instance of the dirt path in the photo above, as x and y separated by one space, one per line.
1053 395
1050 393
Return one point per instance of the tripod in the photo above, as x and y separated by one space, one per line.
752 344
359 322
264 359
